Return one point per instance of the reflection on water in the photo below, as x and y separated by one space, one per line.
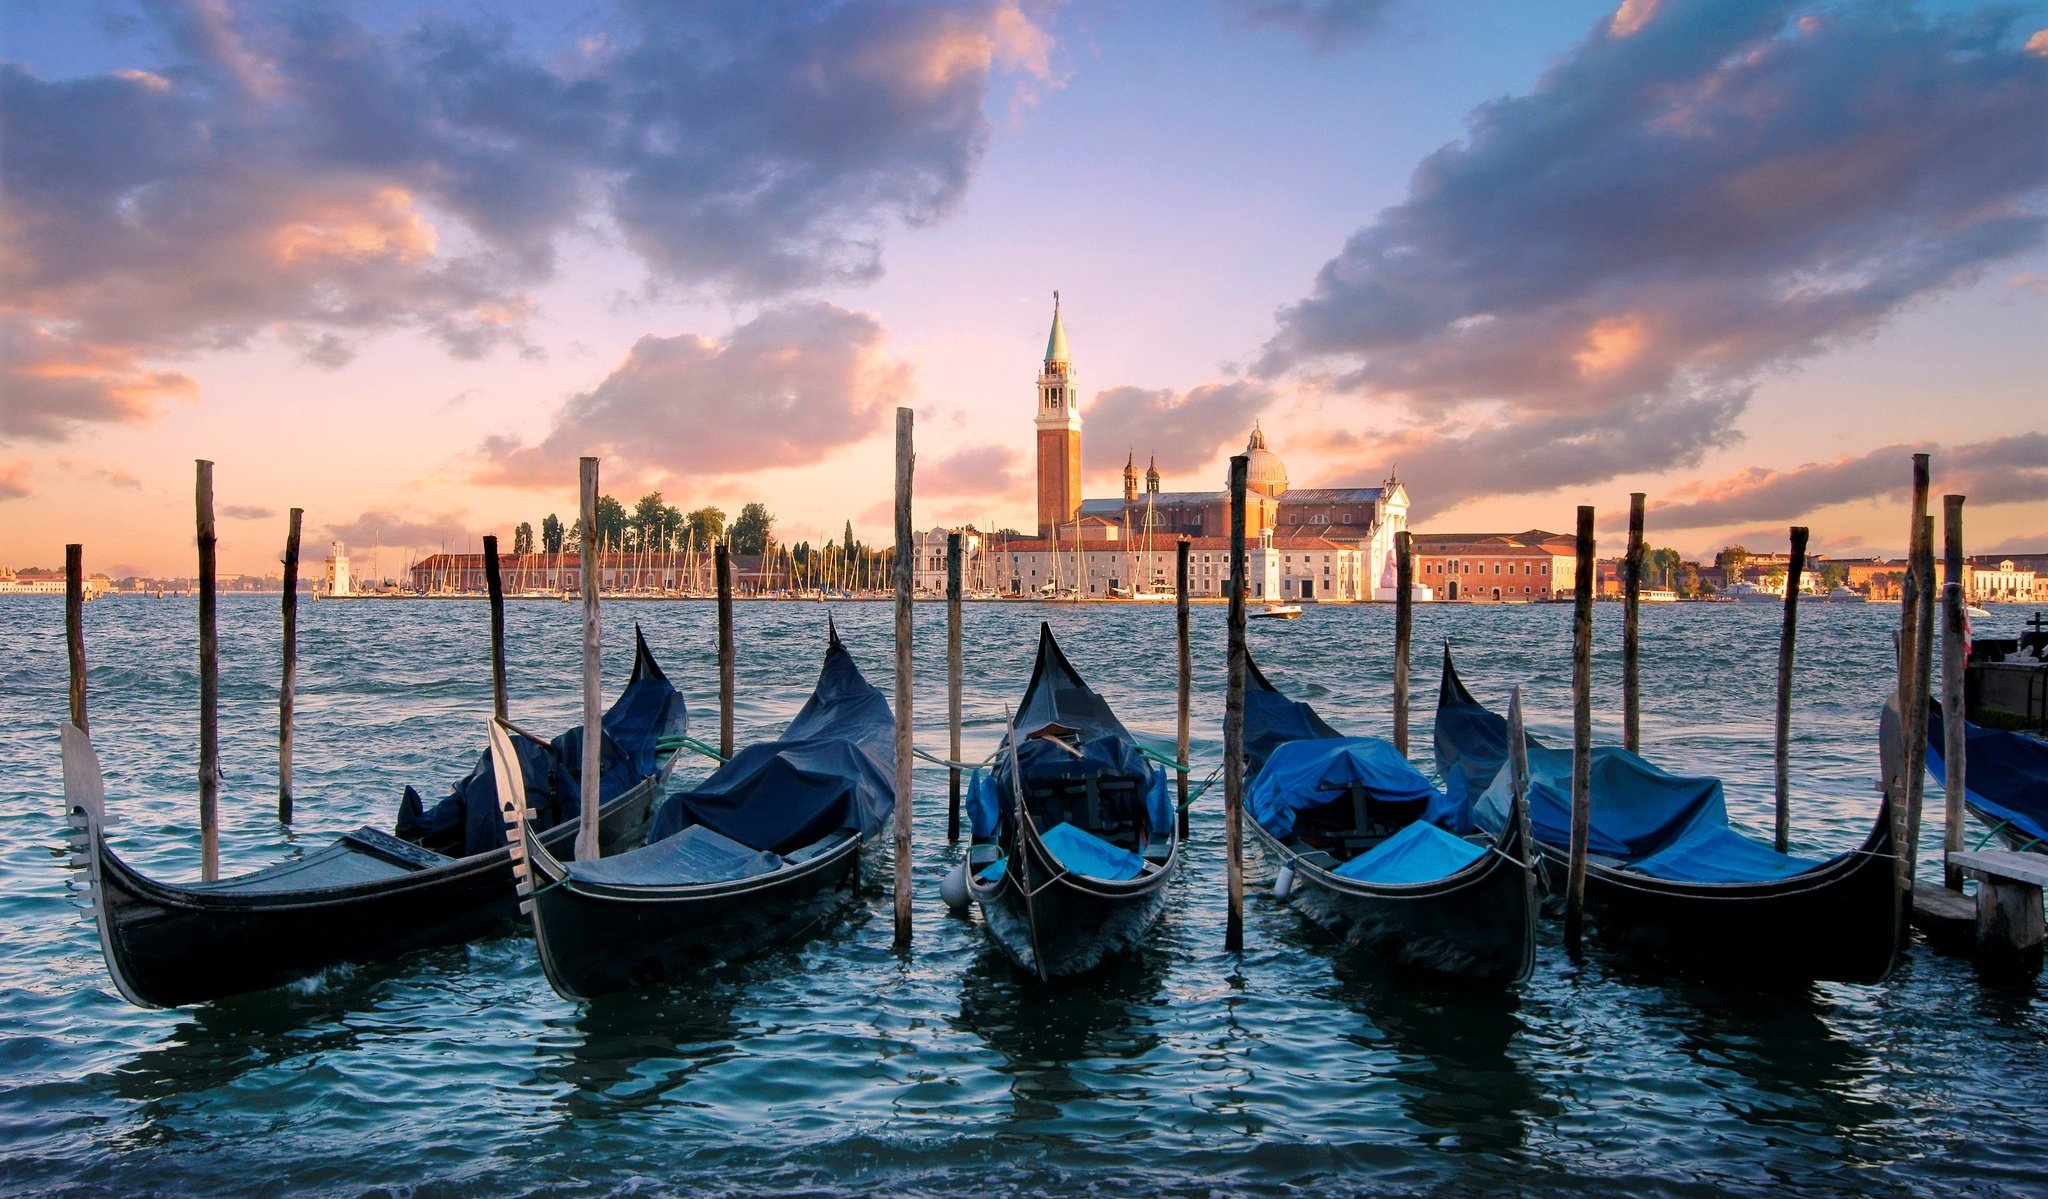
638 1049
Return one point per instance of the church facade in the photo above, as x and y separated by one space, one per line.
1318 543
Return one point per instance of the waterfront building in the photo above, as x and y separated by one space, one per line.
336 579
2004 581
1531 565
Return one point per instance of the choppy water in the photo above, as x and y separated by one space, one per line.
842 1066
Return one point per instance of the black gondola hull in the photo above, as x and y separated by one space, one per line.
598 940
1478 925
1841 923
1069 925
168 945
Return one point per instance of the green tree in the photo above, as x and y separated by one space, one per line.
1661 566
846 542
1732 559
650 522
706 526
522 538
551 534
612 522
1833 575
751 529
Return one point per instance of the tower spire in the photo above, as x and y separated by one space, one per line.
1056 344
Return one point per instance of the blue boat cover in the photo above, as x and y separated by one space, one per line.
1420 853
832 769
1301 776
468 820
1085 853
1669 825
2005 773
695 855
1297 763
1079 762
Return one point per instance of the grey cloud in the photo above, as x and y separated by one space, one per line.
2003 470
1673 212
1326 24
391 530
1187 430
784 389
247 512
290 171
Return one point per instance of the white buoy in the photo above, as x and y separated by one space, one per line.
953 888
1283 883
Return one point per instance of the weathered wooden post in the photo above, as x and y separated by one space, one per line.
1912 690
1187 674
1923 673
1788 641
721 567
209 685
287 688
1404 631
74 629
1518 772
1954 660
587 848
1631 628
1233 711
953 665
906 459
1582 733
494 586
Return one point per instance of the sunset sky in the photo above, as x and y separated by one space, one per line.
400 264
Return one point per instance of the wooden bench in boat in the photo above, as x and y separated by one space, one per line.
2009 906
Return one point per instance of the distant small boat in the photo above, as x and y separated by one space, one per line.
1975 613
1657 595
1278 612
1846 595
1749 592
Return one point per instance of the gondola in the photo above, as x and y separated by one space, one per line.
2005 779
1369 850
761 851
1076 873
369 896
1667 875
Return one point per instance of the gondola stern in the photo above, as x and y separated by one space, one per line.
86 815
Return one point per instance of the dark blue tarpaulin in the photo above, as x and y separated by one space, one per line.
832 769
1297 763
468 821
1673 826
2005 774
1079 763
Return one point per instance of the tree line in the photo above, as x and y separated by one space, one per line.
651 526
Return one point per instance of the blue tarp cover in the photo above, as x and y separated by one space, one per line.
1420 853
1069 739
1302 775
2005 773
1085 853
1667 825
833 769
695 855
1722 856
648 710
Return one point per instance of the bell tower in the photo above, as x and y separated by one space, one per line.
1059 433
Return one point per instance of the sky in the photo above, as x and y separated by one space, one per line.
401 264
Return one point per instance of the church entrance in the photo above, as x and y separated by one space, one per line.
1308 589
1452 590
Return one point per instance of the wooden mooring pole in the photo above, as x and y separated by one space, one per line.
1788 641
1233 711
1582 733
288 685
1187 674
906 460
1631 628
209 684
1954 660
953 668
74 629
587 848
1404 631
1923 674
721 569
494 586
1911 690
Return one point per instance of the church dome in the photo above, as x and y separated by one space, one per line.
1265 471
